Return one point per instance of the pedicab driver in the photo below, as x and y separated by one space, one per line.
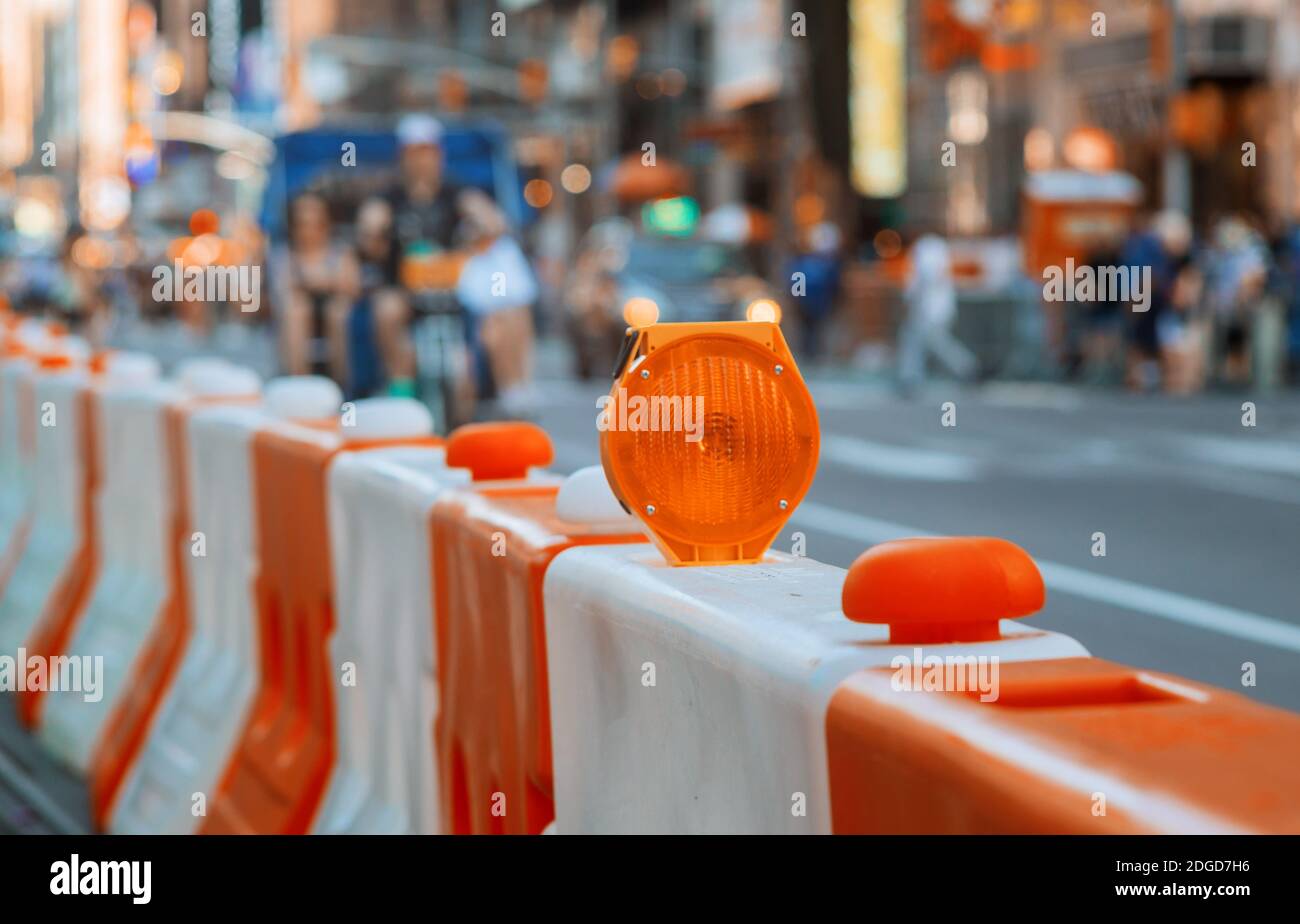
435 227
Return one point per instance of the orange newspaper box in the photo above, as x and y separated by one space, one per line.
491 549
280 768
1069 213
1066 746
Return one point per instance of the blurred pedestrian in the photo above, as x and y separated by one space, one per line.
819 266
1181 330
435 224
1101 340
318 281
1144 257
1286 259
377 264
1237 269
931 297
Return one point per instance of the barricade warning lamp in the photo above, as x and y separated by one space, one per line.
709 436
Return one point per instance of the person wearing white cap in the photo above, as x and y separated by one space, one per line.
429 217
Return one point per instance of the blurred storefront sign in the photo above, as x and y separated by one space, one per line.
105 194
675 217
877 97
16 89
746 53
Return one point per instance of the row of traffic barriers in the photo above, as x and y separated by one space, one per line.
319 617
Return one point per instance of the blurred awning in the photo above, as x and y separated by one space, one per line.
1197 9
1078 186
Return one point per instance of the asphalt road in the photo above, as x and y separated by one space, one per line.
1201 515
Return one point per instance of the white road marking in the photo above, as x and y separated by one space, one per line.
897 461
1274 456
1127 595
1032 395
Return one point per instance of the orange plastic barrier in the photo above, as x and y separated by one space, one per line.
1073 746
1070 745
491 550
281 766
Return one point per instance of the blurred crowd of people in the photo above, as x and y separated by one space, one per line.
1224 309
353 283
348 286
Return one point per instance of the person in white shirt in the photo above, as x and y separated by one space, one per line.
931 298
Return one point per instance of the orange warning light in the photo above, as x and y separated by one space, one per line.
709 437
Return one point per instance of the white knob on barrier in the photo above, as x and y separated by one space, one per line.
225 381
186 368
131 369
387 419
585 497
302 397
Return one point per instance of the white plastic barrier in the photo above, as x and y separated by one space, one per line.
386 776
58 488
201 715
693 699
134 517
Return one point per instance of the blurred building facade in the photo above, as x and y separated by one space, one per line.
1172 91
805 112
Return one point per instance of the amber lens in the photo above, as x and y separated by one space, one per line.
756 446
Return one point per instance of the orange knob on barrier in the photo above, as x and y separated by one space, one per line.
497 451
51 362
936 591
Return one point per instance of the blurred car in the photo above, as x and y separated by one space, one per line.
689 279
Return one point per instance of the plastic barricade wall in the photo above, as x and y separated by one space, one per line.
199 720
72 456
134 522
159 659
278 772
50 574
693 700
281 768
491 550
